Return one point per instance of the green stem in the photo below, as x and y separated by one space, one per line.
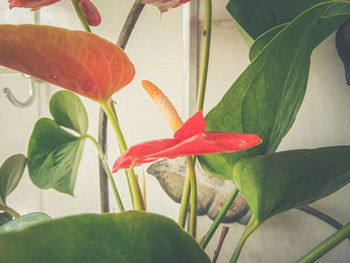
252 225
205 55
218 219
327 245
193 182
10 211
80 15
184 200
107 170
122 145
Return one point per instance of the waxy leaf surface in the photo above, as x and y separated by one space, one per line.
24 221
68 111
75 60
280 181
129 237
190 139
4 218
11 172
332 18
258 16
266 98
33 4
54 156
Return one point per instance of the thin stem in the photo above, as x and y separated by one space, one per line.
192 175
326 245
252 225
184 200
123 38
122 145
130 23
107 170
80 15
218 219
221 241
320 215
102 134
205 55
10 211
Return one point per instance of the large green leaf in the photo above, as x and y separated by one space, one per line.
54 156
332 18
258 16
4 218
11 172
130 237
24 221
68 111
265 99
277 182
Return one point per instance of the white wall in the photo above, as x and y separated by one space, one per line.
157 52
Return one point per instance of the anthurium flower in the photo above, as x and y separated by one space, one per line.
90 12
75 60
190 139
33 4
165 5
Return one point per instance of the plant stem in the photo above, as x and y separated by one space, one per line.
320 215
184 200
193 182
107 170
205 55
327 245
122 145
123 38
80 15
218 219
10 211
252 225
221 241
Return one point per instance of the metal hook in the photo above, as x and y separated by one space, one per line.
29 101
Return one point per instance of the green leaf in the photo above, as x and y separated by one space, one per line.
258 16
11 172
4 218
277 182
130 237
54 156
24 221
266 98
68 111
332 18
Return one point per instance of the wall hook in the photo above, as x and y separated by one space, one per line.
32 94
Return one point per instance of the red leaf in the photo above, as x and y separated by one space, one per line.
90 12
200 142
33 4
75 60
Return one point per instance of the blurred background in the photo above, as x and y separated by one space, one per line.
164 49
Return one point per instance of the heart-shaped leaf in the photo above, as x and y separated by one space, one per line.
68 111
11 172
258 16
332 18
54 156
266 98
280 181
75 60
131 237
24 221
